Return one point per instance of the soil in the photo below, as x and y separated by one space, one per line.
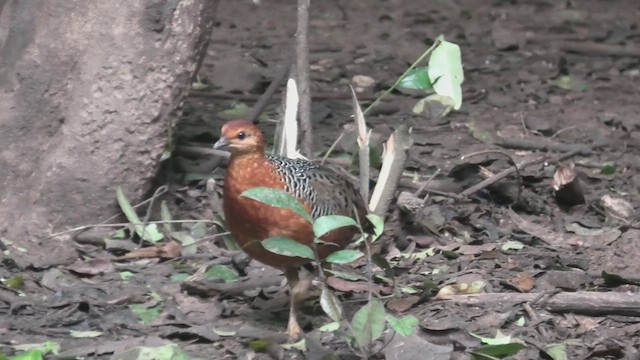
547 83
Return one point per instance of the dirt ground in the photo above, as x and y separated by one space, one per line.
548 83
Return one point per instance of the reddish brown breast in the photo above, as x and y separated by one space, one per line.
321 192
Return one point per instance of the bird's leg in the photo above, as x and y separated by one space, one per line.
298 290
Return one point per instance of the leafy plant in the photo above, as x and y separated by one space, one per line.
370 321
440 80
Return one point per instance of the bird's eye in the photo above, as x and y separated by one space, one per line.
241 135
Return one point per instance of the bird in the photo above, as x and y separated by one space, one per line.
321 190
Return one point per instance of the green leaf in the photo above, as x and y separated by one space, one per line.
187 242
129 211
330 304
512 245
144 313
44 348
165 215
277 198
287 247
85 334
325 224
435 106
126 275
384 265
224 332
301 345
405 326
499 339
29 355
608 169
378 225
238 111
259 344
344 256
151 233
614 280
179 277
221 272
16 282
330 327
497 350
164 352
556 351
368 323
572 83
445 71
417 79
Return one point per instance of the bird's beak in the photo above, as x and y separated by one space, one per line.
222 143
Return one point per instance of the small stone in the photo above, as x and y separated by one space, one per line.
362 82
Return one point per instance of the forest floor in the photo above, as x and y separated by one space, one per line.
547 83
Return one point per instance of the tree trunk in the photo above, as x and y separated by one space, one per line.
87 90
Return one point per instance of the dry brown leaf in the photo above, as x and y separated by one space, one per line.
563 239
617 209
356 286
461 289
169 250
523 282
92 267
402 304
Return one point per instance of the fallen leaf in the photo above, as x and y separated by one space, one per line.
169 250
563 239
402 304
461 289
523 282
92 267
356 286
617 210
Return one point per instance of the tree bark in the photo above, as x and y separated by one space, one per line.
87 91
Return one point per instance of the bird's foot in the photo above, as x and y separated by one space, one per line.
293 329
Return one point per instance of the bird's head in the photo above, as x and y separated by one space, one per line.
240 137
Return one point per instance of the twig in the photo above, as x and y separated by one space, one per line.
251 97
530 144
581 302
85 227
504 173
424 185
335 143
159 191
516 168
363 144
599 49
302 72
501 175
264 99
404 74
390 89
201 150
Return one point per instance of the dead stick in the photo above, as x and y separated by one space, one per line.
582 302
251 97
501 175
504 173
593 48
392 166
264 99
302 72
529 144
